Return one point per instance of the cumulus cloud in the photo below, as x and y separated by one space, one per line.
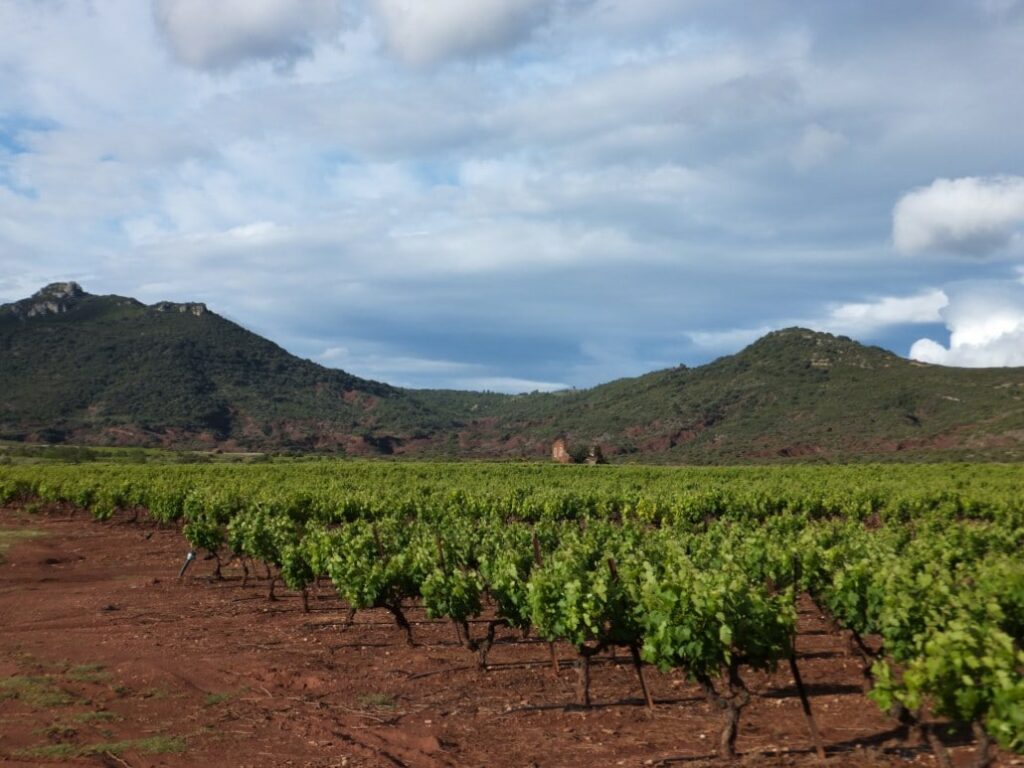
224 34
620 172
986 324
427 32
974 216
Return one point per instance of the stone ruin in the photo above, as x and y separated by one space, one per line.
560 454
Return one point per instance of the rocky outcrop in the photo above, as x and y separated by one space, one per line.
58 291
192 308
54 299
58 298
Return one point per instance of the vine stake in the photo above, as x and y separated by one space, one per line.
805 702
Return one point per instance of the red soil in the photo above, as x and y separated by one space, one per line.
94 613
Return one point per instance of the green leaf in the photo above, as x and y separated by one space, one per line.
725 634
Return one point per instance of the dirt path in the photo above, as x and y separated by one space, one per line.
107 659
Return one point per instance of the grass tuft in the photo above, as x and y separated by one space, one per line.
61 731
35 691
377 700
102 716
154 745
88 673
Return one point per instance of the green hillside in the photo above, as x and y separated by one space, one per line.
110 370
793 394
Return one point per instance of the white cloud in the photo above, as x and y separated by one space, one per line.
509 385
622 169
427 32
729 339
866 317
376 362
223 34
974 216
669 96
381 364
857 319
389 183
499 244
986 324
608 195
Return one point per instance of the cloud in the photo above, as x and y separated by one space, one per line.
376 362
224 34
986 324
509 385
428 32
817 144
1000 8
386 364
729 339
973 216
857 319
602 177
860 318
675 94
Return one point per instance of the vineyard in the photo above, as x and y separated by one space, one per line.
700 571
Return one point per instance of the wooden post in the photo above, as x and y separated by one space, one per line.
806 704
638 665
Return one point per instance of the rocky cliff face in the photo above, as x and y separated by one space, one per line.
54 299
192 308
59 298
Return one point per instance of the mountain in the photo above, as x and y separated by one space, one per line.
794 393
110 370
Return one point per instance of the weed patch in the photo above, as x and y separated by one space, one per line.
377 701
214 699
35 691
154 745
88 673
101 716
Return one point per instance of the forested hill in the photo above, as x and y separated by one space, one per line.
794 394
110 370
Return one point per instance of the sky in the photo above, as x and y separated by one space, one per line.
519 195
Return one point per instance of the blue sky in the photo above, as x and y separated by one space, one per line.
523 194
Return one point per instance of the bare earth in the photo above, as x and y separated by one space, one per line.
107 659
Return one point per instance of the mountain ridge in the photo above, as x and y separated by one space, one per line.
112 370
